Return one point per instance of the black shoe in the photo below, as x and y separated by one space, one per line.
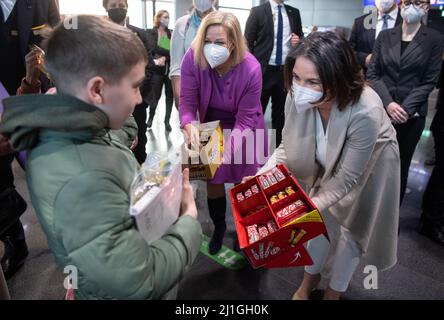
150 123
433 232
217 239
14 258
167 126
236 246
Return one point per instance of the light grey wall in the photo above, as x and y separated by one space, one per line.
339 13
182 7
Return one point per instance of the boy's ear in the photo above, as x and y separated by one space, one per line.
95 87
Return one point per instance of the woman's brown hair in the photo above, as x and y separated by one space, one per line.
339 72
159 14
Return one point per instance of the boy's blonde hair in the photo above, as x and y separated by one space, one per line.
234 35
95 47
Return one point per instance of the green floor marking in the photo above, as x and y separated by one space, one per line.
226 257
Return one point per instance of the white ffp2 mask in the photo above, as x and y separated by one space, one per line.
412 14
304 97
215 54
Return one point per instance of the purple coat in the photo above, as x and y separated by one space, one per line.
243 89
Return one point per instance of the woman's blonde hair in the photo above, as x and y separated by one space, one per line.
234 36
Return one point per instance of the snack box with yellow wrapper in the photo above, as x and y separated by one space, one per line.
274 224
203 164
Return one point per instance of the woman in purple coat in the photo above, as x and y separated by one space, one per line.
222 81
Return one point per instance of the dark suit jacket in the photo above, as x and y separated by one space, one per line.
408 79
363 40
30 14
259 31
438 120
149 45
34 13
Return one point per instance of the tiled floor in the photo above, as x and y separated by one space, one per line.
418 274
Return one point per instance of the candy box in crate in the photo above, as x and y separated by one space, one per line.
274 218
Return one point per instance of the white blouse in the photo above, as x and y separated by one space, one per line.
321 141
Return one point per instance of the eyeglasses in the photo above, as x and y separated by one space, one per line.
416 3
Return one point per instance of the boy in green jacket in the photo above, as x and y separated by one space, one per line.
79 171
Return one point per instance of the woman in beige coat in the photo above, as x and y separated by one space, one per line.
341 146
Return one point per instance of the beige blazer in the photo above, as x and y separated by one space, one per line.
361 182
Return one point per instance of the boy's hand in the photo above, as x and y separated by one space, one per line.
135 143
188 205
34 59
5 147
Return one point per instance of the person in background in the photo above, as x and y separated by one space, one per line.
183 35
222 81
161 37
404 69
363 35
433 201
79 174
272 29
117 12
339 143
22 23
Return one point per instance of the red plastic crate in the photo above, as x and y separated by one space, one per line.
275 250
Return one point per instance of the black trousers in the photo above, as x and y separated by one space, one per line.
158 80
273 87
408 135
6 176
140 117
15 233
433 200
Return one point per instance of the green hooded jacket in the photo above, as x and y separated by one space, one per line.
79 175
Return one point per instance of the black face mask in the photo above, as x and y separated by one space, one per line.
117 14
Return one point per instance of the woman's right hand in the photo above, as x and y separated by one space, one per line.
397 113
188 205
191 136
245 179
160 61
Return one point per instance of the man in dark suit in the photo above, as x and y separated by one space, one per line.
271 30
22 22
364 34
433 201
117 12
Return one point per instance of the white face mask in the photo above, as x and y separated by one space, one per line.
384 5
203 5
412 14
304 96
165 22
215 54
